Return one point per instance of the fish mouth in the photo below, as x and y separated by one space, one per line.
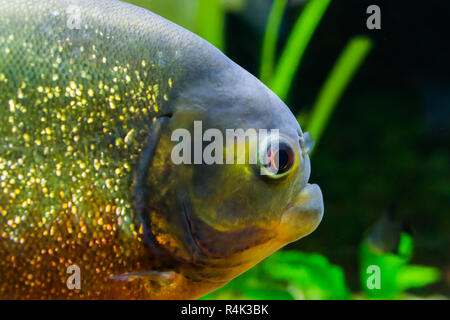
303 215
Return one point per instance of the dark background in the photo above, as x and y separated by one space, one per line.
386 148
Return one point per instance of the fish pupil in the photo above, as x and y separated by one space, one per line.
285 157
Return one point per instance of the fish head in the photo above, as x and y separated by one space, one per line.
226 213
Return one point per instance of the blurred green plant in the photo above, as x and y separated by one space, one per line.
310 276
288 275
396 275
210 22
270 40
296 44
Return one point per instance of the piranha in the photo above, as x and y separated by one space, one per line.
92 205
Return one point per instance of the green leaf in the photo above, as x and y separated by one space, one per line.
288 275
270 40
395 274
406 246
296 46
413 276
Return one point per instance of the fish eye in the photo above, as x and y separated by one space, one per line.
277 157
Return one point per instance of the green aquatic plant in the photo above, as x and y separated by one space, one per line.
298 275
270 40
210 22
296 45
288 275
395 274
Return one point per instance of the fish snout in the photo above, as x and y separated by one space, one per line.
304 214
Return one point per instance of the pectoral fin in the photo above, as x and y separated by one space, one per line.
160 277
151 284
164 285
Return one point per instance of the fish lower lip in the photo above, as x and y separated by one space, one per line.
304 214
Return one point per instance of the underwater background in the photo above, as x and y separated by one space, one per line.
377 103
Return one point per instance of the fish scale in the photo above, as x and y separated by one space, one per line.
75 109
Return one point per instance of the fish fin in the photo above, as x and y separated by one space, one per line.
168 284
152 284
160 277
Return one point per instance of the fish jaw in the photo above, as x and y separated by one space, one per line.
302 215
